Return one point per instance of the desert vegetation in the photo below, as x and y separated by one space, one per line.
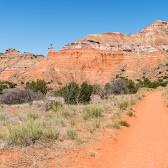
37 86
152 84
74 93
73 114
63 122
17 96
6 85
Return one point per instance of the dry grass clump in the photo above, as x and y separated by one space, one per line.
3 118
32 116
29 133
94 125
123 104
72 134
93 111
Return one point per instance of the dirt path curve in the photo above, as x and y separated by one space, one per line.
143 145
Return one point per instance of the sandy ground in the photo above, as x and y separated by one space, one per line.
143 145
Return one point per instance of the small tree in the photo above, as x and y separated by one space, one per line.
38 86
6 85
85 93
2 87
74 93
70 93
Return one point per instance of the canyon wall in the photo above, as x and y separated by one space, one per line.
97 58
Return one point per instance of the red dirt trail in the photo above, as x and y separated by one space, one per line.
143 145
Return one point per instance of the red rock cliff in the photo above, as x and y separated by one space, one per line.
98 58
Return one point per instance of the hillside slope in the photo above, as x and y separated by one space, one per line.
13 62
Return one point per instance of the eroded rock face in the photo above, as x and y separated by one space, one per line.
13 62
150 39
99 58
11 52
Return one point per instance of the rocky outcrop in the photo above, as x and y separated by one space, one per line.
13 62
150 39
98 58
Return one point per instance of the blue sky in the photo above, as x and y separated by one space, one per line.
30 25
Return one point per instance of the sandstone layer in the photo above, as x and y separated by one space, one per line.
13 62
98 58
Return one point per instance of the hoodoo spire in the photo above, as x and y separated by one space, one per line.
52 53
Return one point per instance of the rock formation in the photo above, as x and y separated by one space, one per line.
98 58
13 62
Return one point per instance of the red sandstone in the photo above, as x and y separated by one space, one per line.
96 58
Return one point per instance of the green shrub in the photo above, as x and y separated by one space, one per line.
85 93
132 87
6 85
49 134
70 93
25 134
2 87
130 114
93 111
122 85
10 84
152 84
74 93
124 123
38 86
123 104
149 84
